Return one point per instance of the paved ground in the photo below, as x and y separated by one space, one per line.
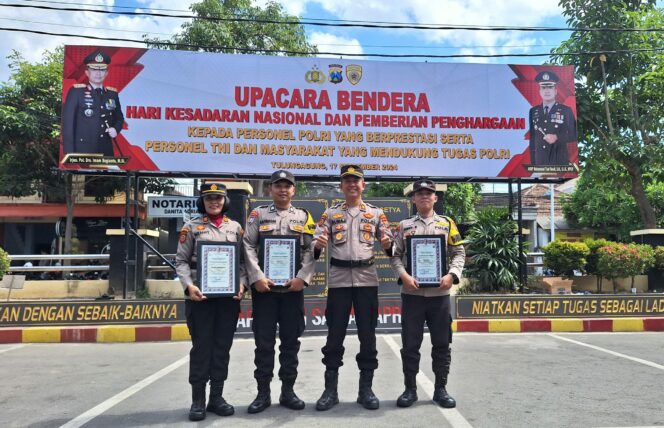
499 380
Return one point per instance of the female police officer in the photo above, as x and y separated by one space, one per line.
211 321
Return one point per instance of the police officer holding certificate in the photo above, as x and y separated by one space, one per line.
282 303
211 320
92 116
431 304
349 231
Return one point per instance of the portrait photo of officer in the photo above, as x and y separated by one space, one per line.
552 125
92 115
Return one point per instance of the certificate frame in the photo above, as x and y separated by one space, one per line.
426 246
266 257
208 276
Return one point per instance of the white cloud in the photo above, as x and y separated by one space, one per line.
327 42
32 46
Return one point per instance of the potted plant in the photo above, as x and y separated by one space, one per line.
564 258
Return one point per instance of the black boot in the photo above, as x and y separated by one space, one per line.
330 398
217 404
288 397
440 395
197 410
262 400
409 395
365 396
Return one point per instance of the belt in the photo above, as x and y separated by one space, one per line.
352 263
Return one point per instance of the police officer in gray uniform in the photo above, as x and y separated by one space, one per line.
278 304
552 125
349 231
430 305
92 116
211 320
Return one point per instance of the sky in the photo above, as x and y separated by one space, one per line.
331 39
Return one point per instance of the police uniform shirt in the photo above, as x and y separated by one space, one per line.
202 229
351 233
434 225
268 220
87 113
559 120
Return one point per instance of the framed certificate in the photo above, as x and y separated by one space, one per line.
218 268
427 260
279 257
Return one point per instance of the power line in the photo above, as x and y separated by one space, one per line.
317 44
339 54
365 24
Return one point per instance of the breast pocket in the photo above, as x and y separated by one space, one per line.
339 233
297 229
367 233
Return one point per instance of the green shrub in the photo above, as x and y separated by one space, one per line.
565 257
493 249
593 258
625 260
659 257
4 262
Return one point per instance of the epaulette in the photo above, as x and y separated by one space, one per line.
79 85
369 205
110 88
333 207
262 206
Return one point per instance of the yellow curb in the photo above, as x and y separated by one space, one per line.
504 326
41 335
628 324
116 334
567 325
454 326
180 332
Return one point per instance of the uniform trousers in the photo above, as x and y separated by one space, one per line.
270 309
212 323
435 311
364 302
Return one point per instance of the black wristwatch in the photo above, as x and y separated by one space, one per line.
455 279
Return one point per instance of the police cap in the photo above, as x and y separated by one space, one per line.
353 170
547 79
97 60
284 175
213 189
422 185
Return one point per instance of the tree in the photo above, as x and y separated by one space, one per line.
203 33
602 200
620 96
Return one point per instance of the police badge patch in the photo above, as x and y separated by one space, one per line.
354 73
336 73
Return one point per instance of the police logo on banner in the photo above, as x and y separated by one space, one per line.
336 73
354 73
314 76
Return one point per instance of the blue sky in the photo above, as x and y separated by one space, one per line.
336 39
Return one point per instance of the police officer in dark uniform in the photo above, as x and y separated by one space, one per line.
211 320
552 125
92 116
278 304
351 229
426 304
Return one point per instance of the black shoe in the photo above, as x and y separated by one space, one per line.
330 398
217 404
366 396
197 410
408 397
290 400
262 400
443 399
